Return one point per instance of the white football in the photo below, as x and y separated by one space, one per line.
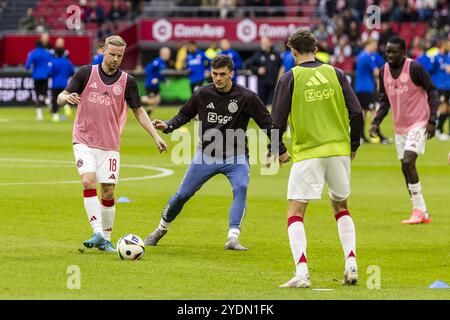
130 247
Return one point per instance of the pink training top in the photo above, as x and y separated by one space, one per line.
409 102
102 113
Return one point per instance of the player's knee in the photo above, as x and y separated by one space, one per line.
339 199
108 193
88 183
240 188
409 162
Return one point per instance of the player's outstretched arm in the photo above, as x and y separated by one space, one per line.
160 125
143 118
70 98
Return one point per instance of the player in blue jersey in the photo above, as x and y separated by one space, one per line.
197 66
61 70
367 70
424 59
39 61
98 58
225 47
440 75
154 72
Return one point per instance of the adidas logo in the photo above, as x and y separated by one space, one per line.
112 177
210 106
317 79
93 85
106 93
93 218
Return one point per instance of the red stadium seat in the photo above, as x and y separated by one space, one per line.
421 29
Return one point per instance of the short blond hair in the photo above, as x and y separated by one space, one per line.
115 41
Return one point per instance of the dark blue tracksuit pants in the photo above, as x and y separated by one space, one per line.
237 170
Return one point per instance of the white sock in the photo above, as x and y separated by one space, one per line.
108 215
346 229
93 210
163 225
234 233
39 114
297 240
417 197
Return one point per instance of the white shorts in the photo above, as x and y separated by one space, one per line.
308 177
413 141
104 163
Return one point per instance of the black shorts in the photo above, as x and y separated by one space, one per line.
152 91
41 87
367 100
444 96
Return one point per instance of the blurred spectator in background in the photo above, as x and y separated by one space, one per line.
404 11
225 47
196 65
98 58
320 32
105 30
414 50
426 9
265 63
342 50
116 12
354 36
226 8
323 53
39 61
41 25
386 32
28 23
255 10
61 69
136 8
154 72
180 60
94 13
212 50
2 5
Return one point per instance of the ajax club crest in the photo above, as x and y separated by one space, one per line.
232 106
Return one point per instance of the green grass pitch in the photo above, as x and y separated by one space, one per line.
43 224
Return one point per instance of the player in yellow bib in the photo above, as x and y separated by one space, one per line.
325 118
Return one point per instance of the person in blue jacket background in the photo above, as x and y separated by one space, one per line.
197 65
440 75
424 59
226 49
98 58
61 69
38 61
154 72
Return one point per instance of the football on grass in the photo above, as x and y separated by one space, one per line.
130 247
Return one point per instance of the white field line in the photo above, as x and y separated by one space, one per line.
62 163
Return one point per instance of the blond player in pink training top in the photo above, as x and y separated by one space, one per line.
102 93
407 88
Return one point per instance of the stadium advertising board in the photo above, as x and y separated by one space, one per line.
244 31
16 89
